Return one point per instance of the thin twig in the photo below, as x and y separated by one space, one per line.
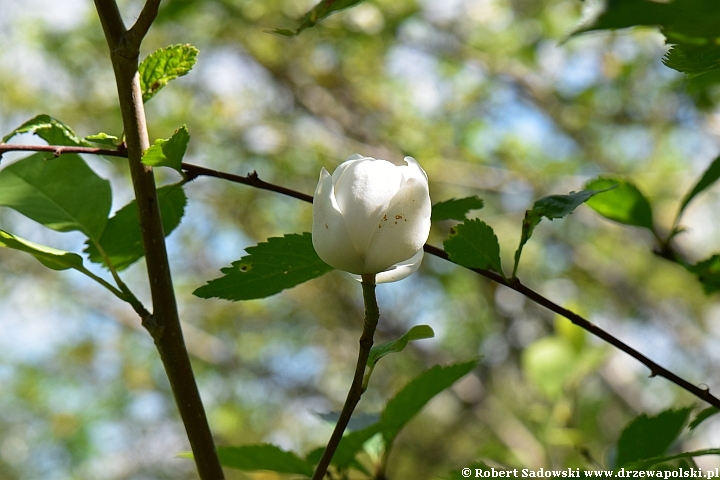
58 150
655 369
372 313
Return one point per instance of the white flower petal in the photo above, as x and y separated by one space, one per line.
399 271
329 234
403 228
364 191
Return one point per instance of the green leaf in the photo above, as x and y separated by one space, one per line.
687 20
455 208
350 445
261 457
550 207
708 273
647 437
50 257
170 152
702 416
53 131
417 332
644 464
416 394
269 268
122 239
103 139
63 194
624 204
473 244
709 177
322 10
164 65
548 362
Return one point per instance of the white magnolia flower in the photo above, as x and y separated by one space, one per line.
372 217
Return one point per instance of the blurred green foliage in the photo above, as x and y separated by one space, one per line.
493 100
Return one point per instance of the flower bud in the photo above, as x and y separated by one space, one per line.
372 217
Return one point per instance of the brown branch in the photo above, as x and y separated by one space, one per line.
253 181
137 32
58 150
164 324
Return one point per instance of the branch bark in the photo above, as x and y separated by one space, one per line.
164 324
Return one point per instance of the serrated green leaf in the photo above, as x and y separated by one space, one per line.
170 152
708 273
455 208
261 457
418 332
550 207
473 244
322 10
50 129
103 139
63 194
702 416
164 65
269 267
624 204
708 177
416 394
687 20
647 437
50 257
122 239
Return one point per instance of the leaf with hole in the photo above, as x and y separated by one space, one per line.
122 239
455 208
269 268
165 65
473 244
50 129
63 194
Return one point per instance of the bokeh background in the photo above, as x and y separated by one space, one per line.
494 99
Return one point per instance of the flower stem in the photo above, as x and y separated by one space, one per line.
372 313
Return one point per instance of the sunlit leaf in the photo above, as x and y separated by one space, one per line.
550 207
269 268
103 139
548 362
647 437
63 194
261 457
50 257
418 332
624 203
455 208
50 129
170 152
416 394
473 244
164 65
322 10
122 239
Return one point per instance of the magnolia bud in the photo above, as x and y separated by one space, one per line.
372 217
